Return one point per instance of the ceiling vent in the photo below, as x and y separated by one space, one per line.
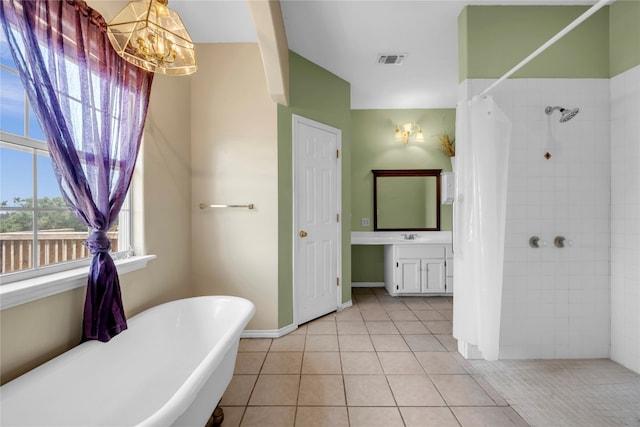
393 58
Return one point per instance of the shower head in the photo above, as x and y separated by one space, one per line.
566 114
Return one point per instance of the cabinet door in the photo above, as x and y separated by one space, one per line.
408 279
433 276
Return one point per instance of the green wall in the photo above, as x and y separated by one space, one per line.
367 263
492 39
321 96
624 36
496 38
373 147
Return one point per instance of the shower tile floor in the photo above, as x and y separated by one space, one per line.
565 392
392 362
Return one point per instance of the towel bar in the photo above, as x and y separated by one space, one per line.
206 206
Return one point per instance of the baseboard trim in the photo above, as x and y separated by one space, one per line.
345 305
469 351
268 333
367 284
277 333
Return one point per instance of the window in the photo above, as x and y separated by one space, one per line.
38 234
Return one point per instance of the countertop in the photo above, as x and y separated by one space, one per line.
395 237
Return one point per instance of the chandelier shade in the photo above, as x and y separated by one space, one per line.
151 36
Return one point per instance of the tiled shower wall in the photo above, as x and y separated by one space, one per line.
556 301
625 218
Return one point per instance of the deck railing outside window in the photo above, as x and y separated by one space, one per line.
54 246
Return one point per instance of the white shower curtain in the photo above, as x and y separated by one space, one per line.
482 154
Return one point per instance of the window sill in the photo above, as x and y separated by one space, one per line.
24 291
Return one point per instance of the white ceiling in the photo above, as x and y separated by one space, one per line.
346 37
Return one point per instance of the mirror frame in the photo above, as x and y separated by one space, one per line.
385 173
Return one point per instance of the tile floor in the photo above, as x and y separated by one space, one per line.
579 392
383 362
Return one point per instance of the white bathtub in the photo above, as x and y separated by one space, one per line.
170 367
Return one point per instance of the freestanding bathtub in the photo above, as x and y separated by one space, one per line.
170 367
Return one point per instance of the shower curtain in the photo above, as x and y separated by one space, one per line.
482 153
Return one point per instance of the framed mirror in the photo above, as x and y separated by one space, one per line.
406 199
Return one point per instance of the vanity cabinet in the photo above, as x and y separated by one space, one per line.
415 269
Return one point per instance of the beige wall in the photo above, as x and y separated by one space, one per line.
35 332
162 190
234 161
232 138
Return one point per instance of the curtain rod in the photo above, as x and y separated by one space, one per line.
593 9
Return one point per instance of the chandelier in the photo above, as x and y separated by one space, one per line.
149 35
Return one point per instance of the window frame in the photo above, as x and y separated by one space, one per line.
125 220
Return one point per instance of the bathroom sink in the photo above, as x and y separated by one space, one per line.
395 237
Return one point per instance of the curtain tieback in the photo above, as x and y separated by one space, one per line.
98 242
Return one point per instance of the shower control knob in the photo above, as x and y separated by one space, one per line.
534 242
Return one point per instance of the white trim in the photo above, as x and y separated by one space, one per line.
44 271
469 351
341 218
345 305
24 291
367 284
277 333
269 333
23 141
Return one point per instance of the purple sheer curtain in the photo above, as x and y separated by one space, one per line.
92 106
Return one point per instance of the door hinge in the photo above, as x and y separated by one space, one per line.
397 265
337 217
337 281
337 154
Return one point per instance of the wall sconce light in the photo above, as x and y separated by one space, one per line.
149 35
407 130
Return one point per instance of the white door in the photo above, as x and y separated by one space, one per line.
317 241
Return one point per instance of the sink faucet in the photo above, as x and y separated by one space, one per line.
409 236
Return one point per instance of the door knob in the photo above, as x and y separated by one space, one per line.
303 233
